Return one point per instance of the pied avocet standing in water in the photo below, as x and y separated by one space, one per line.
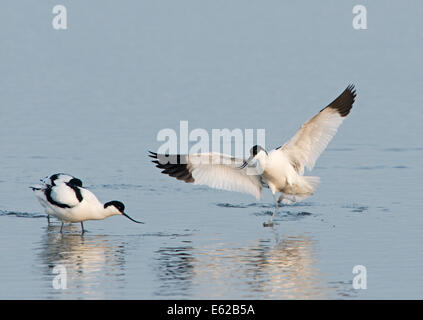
64 198
281 170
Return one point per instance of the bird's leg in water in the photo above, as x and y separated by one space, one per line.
82 226
48 219
276 208
293 193
270 223
61 228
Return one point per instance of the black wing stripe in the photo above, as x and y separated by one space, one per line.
54 202
77 191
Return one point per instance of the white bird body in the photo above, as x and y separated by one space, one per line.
64 194
276 170
280 175
54 180
71 203
281 170
90 208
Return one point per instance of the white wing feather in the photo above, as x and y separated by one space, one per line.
65 195
305 147
212 169
312 139
221 172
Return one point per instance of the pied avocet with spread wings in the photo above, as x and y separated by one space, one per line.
281 170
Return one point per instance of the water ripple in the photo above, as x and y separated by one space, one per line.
22 214
356 208
261 205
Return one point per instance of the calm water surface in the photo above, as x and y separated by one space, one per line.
90 101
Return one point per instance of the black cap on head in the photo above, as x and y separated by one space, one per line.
256 149
117 204
121 207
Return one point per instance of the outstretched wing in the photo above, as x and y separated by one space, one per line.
212 169
311 140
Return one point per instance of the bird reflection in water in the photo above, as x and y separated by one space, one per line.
94 264
175 270
287 270
265 269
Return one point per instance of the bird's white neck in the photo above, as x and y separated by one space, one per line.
110 211
261 157
102 213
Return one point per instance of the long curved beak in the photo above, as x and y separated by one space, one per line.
125 215
246 162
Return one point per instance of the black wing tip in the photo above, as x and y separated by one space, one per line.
348 101
352 91
177 170
344 102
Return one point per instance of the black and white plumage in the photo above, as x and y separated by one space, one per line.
64 198
281 170
59 178
213 169
56 180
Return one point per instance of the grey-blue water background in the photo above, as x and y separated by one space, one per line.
90 101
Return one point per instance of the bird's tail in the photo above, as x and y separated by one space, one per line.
303 187
307 185
36 187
